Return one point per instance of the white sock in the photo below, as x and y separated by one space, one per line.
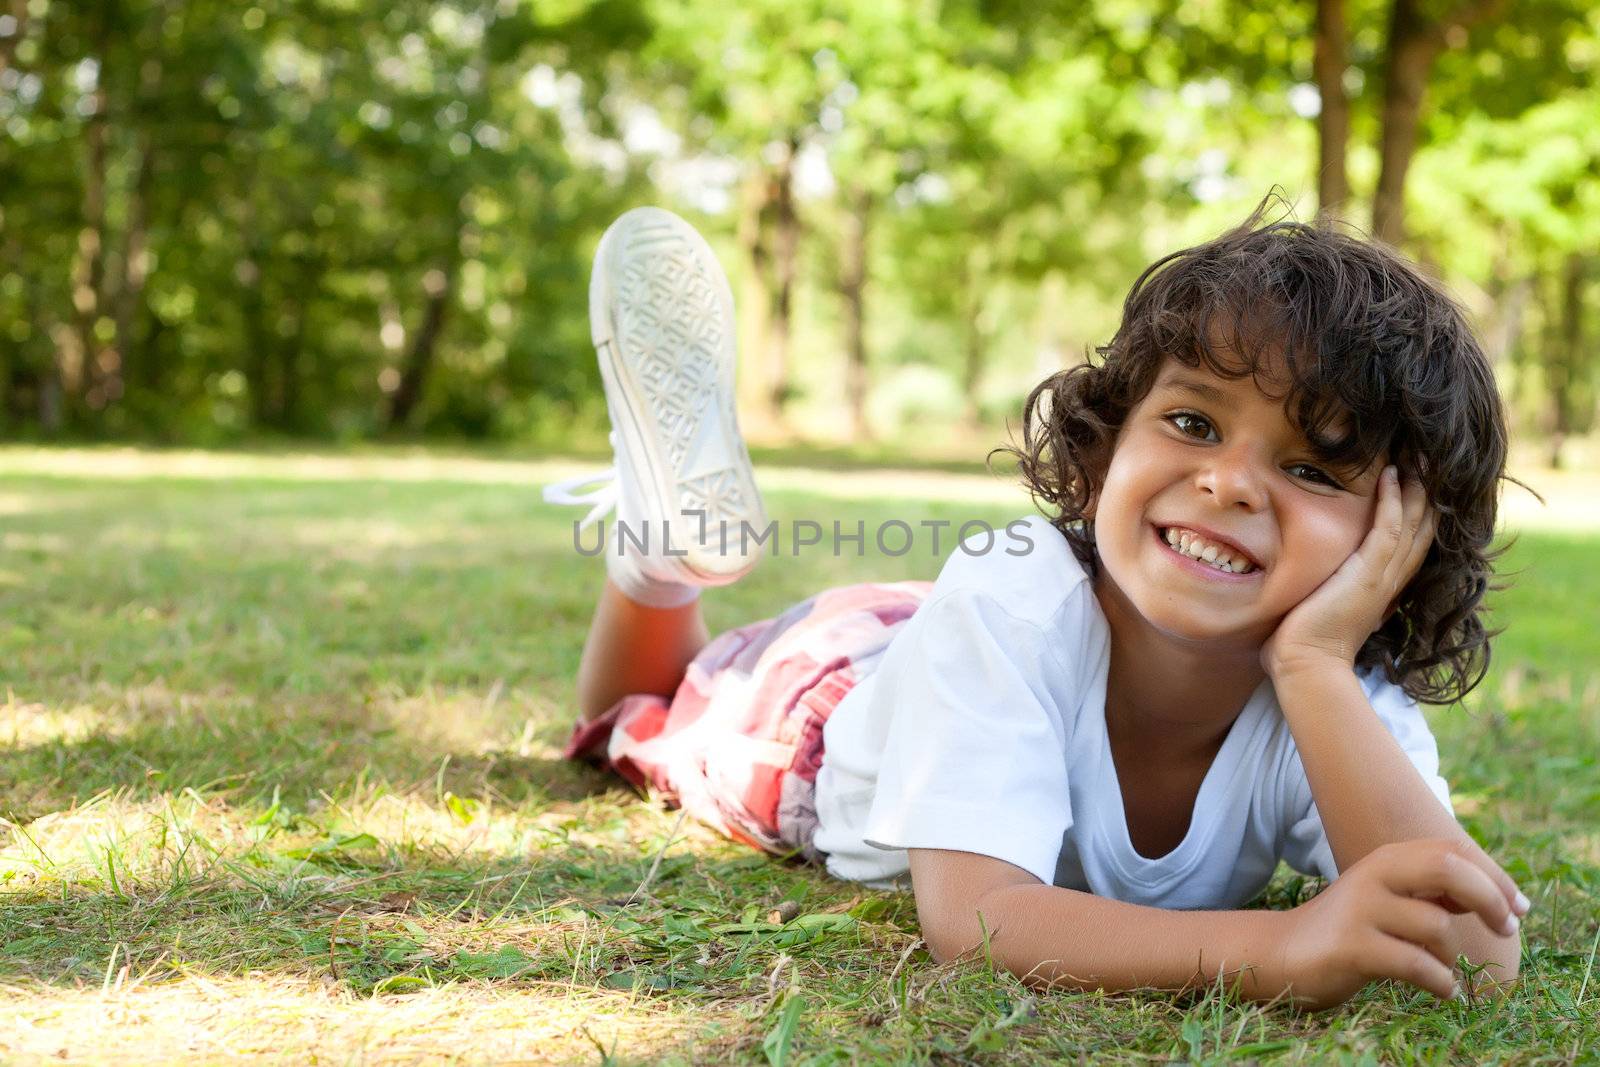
650 591
641 588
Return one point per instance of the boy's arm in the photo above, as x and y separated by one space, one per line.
1047 935
1369 793
1381 919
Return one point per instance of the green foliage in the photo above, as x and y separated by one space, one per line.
344 219
302 178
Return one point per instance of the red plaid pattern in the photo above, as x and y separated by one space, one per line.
740 742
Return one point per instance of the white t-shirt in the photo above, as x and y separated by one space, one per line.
982 729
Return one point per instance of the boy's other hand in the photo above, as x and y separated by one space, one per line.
1332 624
1390 916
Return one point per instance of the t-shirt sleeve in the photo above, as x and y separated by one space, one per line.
1306 848
975 756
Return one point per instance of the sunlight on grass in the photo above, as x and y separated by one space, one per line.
280 778
33 724
206 1018
1572 497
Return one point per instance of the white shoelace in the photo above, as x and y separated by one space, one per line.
604 497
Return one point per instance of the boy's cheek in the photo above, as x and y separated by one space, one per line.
1332 538
1305 583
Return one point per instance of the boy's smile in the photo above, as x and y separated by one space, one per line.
1217 516
1208 554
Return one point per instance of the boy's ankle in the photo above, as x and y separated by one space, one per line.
632 582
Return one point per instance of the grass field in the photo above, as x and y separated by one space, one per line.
279 782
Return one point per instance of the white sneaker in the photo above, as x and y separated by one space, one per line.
661 314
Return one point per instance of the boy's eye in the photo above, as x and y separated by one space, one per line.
1313 474
1190 424
1199 427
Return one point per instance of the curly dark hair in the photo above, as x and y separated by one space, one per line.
1370 346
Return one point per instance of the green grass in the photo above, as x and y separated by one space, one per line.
280 781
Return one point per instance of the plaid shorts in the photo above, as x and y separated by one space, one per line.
739 744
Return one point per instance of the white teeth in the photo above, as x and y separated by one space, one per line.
1199 549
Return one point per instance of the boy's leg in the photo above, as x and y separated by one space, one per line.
661 314
632 648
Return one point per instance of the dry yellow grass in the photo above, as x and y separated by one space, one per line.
280 783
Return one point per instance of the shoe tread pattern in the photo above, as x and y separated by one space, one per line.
672 327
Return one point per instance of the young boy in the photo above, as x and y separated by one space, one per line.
1269 508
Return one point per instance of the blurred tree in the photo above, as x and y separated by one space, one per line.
748 83
1032 141
1416 38
1414 41
1516 201
336 218
885 122
220 216
1330 60
1571 361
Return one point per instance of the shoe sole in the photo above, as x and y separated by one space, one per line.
661 316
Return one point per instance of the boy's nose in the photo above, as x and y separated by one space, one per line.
1232 481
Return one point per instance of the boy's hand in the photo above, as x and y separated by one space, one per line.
1389 916
1334 622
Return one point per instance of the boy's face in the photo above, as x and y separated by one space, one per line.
1217 459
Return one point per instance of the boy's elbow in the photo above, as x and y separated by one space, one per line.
951 938
939 947
962 900
967 934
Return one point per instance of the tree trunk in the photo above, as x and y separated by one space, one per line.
1508 300
291 356
251 270
13 356
1504 328
50 403
785 249
437 284
258 346
439 281
128 296
755 298
18 10
10 377
41 374
1333 118
253 317
1414 42
977 336
150 354
135 270
79 374
852 286
976 355
1566 357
